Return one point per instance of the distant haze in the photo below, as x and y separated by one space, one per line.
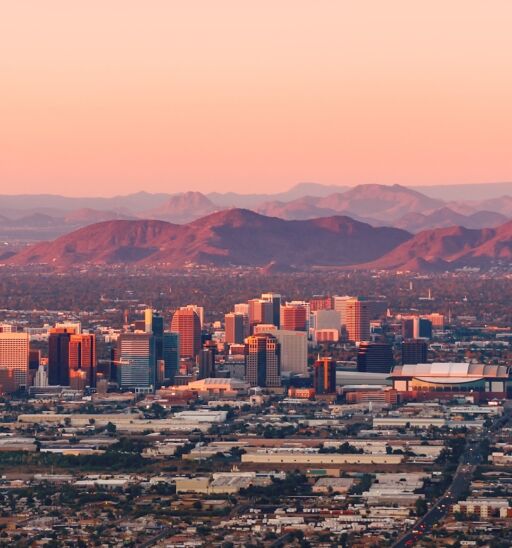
101 98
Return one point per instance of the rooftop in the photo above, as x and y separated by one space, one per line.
450 371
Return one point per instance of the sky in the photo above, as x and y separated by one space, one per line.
106 97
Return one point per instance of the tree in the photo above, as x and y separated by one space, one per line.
421 507
158 411
111 428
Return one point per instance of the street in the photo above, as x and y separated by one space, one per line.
469 460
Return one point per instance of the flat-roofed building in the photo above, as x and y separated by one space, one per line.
263 361
326 486
374 357
234 328
212 387
14 354
298 456
355 319
137 366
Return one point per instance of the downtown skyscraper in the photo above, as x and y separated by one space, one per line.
263 361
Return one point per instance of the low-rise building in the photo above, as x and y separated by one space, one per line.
483 507
333 485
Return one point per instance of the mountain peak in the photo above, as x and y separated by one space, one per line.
235 237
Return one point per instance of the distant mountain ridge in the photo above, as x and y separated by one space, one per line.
234 237
243 238
46 217
448 248
183 208
375 202
445 217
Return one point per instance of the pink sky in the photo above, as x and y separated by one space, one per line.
101 97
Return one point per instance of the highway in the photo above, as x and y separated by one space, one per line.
469 460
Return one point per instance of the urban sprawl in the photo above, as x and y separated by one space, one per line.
336 420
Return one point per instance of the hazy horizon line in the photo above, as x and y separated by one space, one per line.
288 189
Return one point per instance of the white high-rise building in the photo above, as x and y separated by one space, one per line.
41 377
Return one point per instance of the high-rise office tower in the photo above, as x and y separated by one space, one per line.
139 325
295 316
234 328
187 324
260 311
355 314
414 351
320 302
110 370
206 362
374 357
58 355
263 361
436 319
157 329
82 357
148 320
136 366
338 302
171 355
70 327
416 327
14 351
325 319
324 376
293 345
199 310
294 351
78 379
41 377
241 308
34 360
275 299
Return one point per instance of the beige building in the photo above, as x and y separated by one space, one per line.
333 485
122 421
14 351
220 483
212 387
309 457
355 319
294 348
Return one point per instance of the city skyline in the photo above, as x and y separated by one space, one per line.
255 273
110 99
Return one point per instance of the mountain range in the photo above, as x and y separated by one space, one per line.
378 226
243 238
234 237
46 217
449 248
